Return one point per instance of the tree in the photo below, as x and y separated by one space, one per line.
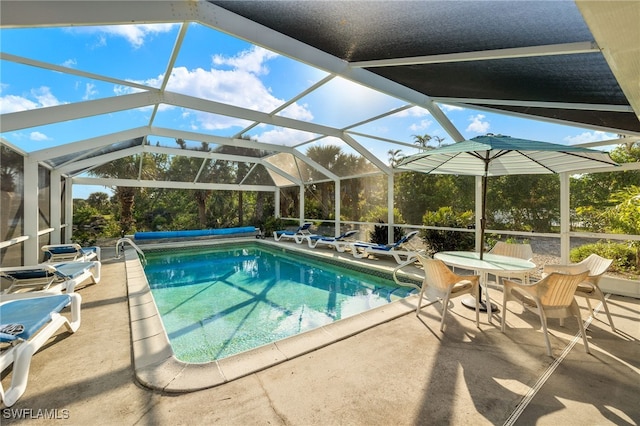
127 168
99 201
395 156
422 141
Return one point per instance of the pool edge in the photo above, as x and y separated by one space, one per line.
157 368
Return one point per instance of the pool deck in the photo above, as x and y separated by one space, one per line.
402 371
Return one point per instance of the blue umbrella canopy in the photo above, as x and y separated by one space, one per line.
497 155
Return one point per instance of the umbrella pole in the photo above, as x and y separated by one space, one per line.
470 302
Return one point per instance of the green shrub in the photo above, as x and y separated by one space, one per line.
444 240
380 233
625 256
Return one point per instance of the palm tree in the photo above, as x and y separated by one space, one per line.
127 168
422 141
395 156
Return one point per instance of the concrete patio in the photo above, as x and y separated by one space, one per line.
402 372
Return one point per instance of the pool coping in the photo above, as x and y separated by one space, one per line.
156 366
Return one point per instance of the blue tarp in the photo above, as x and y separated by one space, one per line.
192 233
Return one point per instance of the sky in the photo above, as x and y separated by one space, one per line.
218 67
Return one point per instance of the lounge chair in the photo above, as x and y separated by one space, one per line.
589 288
338 242
69 252
361 249
298 235
33 321
551 297
54 277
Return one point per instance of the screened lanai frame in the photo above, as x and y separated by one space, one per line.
248 21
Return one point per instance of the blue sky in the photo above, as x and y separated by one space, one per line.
218 67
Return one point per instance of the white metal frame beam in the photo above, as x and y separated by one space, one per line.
486 55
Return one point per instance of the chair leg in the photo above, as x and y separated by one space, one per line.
504 311
576 312
600 295
420 301
445 306
543 321
477 311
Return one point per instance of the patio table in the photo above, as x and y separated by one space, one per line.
501 266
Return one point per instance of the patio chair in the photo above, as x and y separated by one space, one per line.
338 242
521 251
440 283
29 323
298 235
51 277
551 297
69 252
589 288
362 249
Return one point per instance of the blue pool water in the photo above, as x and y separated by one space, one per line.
217 302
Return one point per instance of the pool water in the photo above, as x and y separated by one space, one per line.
217 302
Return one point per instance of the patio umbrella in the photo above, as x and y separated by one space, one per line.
497 155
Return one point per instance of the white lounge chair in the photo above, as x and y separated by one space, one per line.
298 235
339 242
53 277
69 252
34 320
361 249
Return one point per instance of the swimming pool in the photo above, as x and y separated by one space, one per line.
219 301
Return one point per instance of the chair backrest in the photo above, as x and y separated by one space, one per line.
405 239
596 265
558 290
305 226
521 251
436 273
346 235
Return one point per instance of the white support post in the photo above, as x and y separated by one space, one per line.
301 213
31 211
478 214
56 208
337 207
565 218
276 201
390 218
68 213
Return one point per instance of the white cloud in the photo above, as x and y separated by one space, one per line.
412 112
13 103
136 35
239 86
251 60
587 137
38 98
420 126
44 97
477 125
89 91
284 136
70 63
37 136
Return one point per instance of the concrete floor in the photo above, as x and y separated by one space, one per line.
402 372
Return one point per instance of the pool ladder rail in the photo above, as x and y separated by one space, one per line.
120 249
410 261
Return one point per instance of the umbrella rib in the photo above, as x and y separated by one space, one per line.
535 161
